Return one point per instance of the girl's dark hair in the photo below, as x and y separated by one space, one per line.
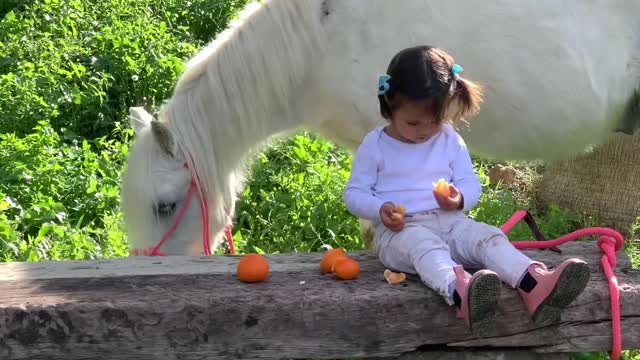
424 73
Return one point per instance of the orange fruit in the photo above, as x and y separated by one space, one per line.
346 268
329 258
394 277
442 187
252 268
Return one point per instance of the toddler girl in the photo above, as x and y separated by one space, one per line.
398 164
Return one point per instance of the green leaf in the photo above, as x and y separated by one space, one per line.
77 97
93 185
130 62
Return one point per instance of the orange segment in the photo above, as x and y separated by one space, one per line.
394 277
399 212
441 187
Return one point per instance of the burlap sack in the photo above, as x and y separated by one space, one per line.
604 183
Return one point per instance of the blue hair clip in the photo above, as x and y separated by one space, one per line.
455 69
383 84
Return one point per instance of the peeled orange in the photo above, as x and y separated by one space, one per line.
253 268
441 187
329 258
399 212
346 268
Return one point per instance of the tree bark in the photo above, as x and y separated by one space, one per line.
195 308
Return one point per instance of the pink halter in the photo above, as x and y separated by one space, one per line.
204 211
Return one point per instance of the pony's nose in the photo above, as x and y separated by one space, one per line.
166 209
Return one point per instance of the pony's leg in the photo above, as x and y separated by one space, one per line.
367 234
631 118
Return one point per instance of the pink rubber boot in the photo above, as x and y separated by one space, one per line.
547 293
477 298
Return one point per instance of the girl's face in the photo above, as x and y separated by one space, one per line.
413 122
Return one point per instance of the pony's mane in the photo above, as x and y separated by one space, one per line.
250 71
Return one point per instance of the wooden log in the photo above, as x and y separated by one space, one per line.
195 308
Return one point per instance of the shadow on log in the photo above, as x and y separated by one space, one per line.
195 308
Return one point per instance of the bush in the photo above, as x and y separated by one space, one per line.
11 5
293 201
203 18
60 201
80 64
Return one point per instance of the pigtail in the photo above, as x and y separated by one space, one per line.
468 96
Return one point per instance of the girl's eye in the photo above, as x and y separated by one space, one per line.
412 124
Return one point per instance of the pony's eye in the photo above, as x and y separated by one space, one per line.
166 209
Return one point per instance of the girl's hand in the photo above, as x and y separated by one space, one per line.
451 202
391 222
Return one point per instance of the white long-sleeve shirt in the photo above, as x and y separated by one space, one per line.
385 169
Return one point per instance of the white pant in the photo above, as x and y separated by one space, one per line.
433 242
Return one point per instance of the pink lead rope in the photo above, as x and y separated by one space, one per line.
609 242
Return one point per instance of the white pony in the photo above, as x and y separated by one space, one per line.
558 76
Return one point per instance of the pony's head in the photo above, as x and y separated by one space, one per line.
155 190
